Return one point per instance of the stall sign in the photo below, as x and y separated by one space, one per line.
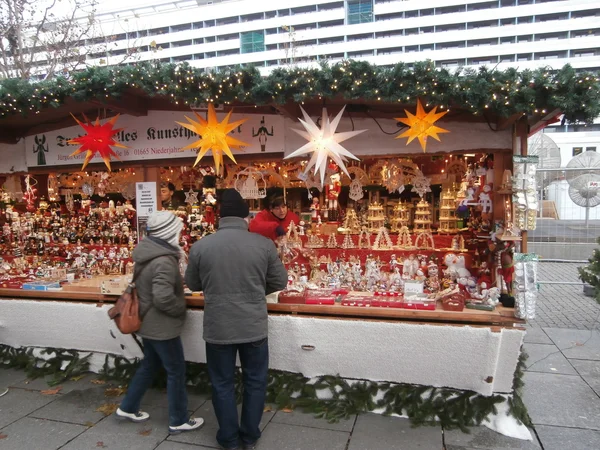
413 287
146 205
155 136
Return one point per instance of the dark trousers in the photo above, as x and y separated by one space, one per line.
254 357
169 353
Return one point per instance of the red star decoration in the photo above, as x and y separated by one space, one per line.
99 138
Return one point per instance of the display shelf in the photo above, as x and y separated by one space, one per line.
500 316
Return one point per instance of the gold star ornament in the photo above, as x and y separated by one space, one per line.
421 125
214 136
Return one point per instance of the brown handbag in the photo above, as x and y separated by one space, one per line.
126 312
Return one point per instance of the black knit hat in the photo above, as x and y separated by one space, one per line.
232 204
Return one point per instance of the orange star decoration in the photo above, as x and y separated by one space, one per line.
214 136
422 125
99 138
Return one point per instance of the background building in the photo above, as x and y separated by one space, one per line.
503 33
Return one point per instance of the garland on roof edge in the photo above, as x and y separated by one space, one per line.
450 408
480 91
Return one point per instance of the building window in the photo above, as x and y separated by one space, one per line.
577 150
359 11
252 42
590 149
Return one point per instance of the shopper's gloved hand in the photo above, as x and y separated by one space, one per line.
279 231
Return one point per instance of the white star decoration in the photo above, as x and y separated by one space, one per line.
421 184
191 197
324 143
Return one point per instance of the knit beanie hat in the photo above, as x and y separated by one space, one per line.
232 204
166 226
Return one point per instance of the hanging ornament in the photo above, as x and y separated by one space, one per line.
102 185
69 201
393 179
214 136
87 190
129 191
253 186
191 197
421 125
311 181
356 190
12 189
53 187
99 138
324 143
30 193
421 185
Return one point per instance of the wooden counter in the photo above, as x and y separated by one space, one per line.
500 317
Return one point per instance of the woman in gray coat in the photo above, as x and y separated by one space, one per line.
162 308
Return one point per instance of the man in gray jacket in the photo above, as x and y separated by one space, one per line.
236 269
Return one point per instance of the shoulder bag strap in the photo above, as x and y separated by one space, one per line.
137 272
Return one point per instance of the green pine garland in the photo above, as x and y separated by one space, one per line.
516 407
590 274
53 362
482 91
330 397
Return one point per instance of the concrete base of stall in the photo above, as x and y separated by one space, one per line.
478 358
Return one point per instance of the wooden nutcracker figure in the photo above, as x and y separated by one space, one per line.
315 209
332 191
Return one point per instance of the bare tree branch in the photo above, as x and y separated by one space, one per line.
44 41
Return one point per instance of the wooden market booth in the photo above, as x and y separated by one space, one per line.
468 350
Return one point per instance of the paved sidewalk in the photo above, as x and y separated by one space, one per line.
562 387
564 305
562 393
30 420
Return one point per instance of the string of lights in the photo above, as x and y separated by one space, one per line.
503 93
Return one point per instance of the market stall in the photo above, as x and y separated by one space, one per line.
409 261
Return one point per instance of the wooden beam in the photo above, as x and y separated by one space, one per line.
64 121
126 104
10 135
505 122
539 123
290 110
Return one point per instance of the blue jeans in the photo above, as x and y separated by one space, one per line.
254 357
169 353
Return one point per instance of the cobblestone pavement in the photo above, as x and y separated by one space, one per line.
564 305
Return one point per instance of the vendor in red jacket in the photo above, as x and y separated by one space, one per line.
273 221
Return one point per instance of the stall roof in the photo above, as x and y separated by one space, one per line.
498 98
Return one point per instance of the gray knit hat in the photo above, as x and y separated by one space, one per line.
164 225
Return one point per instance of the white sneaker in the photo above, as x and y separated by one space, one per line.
193 424
139 416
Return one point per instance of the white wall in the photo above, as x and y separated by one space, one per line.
430 355
12 157
462 136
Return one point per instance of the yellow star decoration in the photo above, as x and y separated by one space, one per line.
214 136
422 125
